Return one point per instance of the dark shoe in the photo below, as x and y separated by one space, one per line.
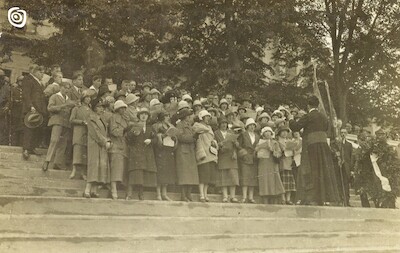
25 154
94 195
128 197
45 166
86 195
207 199
140 196
225 200
189 197
252 201
289 203
202 200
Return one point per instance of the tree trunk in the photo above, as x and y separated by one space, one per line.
341 103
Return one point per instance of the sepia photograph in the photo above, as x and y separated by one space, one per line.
199 126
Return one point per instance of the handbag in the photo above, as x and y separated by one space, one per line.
213 151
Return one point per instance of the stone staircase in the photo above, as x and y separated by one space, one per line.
44 212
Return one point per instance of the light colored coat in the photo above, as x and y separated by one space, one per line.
78 115
117 127
59 115
97 167
203 143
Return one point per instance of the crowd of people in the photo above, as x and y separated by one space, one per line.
139 137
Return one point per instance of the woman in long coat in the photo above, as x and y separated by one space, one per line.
119 149
228 175
98 171
269 181
79 120
185 156
248 140
142 165
164 151
206 153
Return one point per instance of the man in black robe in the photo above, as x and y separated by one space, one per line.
316 176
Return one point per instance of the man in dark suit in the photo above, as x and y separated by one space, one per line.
34 100
344 156
316 176
75 92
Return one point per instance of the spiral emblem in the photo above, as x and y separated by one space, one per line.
17 17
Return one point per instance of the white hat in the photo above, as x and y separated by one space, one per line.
154 102
119 104
131 98
155 91
249 122
197 102
259 109
203 113
223 101
183 104
277 112
187 97
268 129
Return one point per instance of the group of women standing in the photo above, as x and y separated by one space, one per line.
194 150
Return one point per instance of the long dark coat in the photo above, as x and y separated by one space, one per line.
142 165
227 154
80 133
186 164
165 156
32 95
316 177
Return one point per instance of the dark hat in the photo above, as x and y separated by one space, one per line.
161 116
103 90
242 108
281 129
147 84
97 102
184 113
119 94
228 112
33 119
168 95
222 119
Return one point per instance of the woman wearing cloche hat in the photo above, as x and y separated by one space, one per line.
142 169
269 180
206 153
247 160
119 150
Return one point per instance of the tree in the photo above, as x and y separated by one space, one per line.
356 43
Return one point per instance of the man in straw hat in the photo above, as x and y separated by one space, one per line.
34 100
317 183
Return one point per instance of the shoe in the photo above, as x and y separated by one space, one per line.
234 200
207 199
128 197
72 175
189 197
225 200
35 152
202 199
252 201
185 199
159 198
140 196
166 198
114 196
94 195
83 176
289 203
45 166
86 195
25 154
244 200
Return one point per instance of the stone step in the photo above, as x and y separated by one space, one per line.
263 242
29 172
6 157
15 149
34 205
107 226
